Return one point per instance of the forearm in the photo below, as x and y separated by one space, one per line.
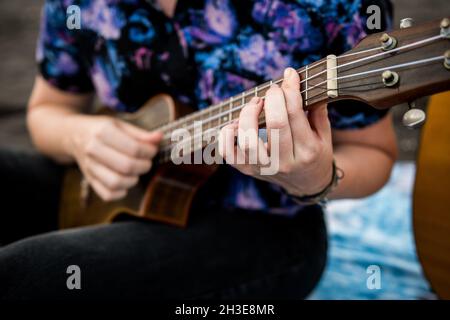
52 128
366 170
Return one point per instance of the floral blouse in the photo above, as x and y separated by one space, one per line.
128 50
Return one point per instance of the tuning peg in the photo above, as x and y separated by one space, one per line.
413 118
387 42
447 59
390 78
445 28
406 23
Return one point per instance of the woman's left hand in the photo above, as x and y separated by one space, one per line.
305 150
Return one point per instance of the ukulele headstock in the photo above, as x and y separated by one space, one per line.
387 69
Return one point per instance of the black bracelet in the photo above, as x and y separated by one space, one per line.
321 197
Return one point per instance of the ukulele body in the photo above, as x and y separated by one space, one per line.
165 194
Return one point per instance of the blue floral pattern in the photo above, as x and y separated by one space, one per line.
128 50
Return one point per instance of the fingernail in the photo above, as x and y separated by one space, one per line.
287 72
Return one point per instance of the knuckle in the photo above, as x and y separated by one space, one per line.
135 150
278 123
127 167
90 148
285 168
98 132
115 182
308 156
104 128
134 181
248 109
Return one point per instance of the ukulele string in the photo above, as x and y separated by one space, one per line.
325 90
216 128
166 128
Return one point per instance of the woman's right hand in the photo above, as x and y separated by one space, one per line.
112 154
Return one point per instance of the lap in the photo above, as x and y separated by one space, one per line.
220 255
29 190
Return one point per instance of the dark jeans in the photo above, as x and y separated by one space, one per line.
222 254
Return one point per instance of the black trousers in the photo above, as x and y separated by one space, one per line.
222 254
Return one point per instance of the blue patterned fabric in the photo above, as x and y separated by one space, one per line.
127 51
374 231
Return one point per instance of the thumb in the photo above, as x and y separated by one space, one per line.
139 133
318 119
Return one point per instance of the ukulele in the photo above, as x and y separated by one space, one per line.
383 70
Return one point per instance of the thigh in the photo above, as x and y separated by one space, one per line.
29 192
220 255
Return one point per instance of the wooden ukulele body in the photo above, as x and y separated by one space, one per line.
165 194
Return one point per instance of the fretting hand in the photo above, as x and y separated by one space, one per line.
305 144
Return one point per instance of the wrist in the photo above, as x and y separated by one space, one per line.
77 126
315 185
320 197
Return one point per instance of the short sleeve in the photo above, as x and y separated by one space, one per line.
61 61
351 114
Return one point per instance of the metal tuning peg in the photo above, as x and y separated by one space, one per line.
413 118
387 42
445 28
406 23
390 78
447 59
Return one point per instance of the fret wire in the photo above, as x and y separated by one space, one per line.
230 112
189 117
233 99
232 108
220 112
306 85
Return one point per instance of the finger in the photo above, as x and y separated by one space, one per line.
109 178
117 161
226 139
263 154
123 142
320 123
141 134
277 118
106 194
248 129
301 130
